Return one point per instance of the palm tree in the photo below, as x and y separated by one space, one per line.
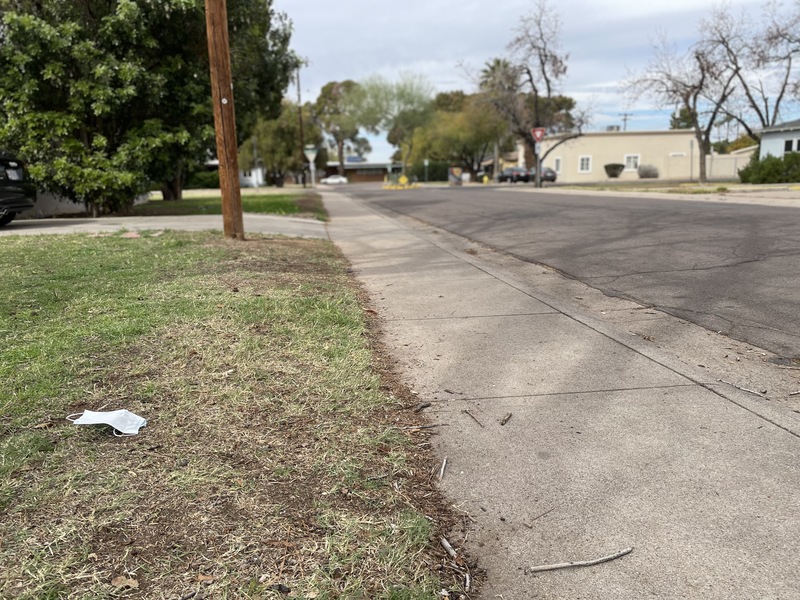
499 75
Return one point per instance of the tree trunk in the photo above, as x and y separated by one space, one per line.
406 157
173 189
496 162
340 151
701 152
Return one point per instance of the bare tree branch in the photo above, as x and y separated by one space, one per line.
762 59
696 81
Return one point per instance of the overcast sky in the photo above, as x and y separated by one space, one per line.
606 40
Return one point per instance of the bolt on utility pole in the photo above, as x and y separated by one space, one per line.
219 58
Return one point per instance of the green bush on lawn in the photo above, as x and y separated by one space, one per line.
772 169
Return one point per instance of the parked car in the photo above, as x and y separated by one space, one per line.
333 180
17 192
548 174
514 175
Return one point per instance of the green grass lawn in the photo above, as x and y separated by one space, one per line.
275 456
307 204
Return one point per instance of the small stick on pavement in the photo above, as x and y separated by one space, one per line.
797 393
743 389
466 412
581 563
421 406
444 466
446 545
547 512
505 419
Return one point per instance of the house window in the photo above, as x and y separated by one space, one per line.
557 164
248 173
788 146
585 164
632 162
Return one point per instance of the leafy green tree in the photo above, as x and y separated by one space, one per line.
449 101
275 143
464 137
336 113
397 108
262 62
103 96
684 118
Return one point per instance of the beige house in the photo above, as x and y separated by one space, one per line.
673 153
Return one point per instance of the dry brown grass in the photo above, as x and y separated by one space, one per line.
277 460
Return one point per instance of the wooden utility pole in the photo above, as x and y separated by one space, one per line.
300 117
219 58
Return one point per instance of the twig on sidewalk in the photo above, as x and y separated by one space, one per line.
581 563
744 389
547 512
444 466
797 393
446 545
505 419
421 406
466 412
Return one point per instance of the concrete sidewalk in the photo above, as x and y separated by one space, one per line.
613 441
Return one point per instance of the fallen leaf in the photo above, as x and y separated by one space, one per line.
121 581
206 578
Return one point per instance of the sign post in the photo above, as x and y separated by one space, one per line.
538 136
311 154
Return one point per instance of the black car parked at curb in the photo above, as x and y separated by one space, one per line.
17 193
547 174
514 175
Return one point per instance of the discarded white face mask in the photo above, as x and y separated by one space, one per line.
123 421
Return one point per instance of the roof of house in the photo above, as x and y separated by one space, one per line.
365 165
781 127
629 133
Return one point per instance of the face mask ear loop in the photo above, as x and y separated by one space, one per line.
74 417
120 434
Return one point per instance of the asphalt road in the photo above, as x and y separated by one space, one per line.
731 268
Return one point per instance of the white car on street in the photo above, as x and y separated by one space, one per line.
333 180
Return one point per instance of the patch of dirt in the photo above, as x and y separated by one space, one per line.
311 203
